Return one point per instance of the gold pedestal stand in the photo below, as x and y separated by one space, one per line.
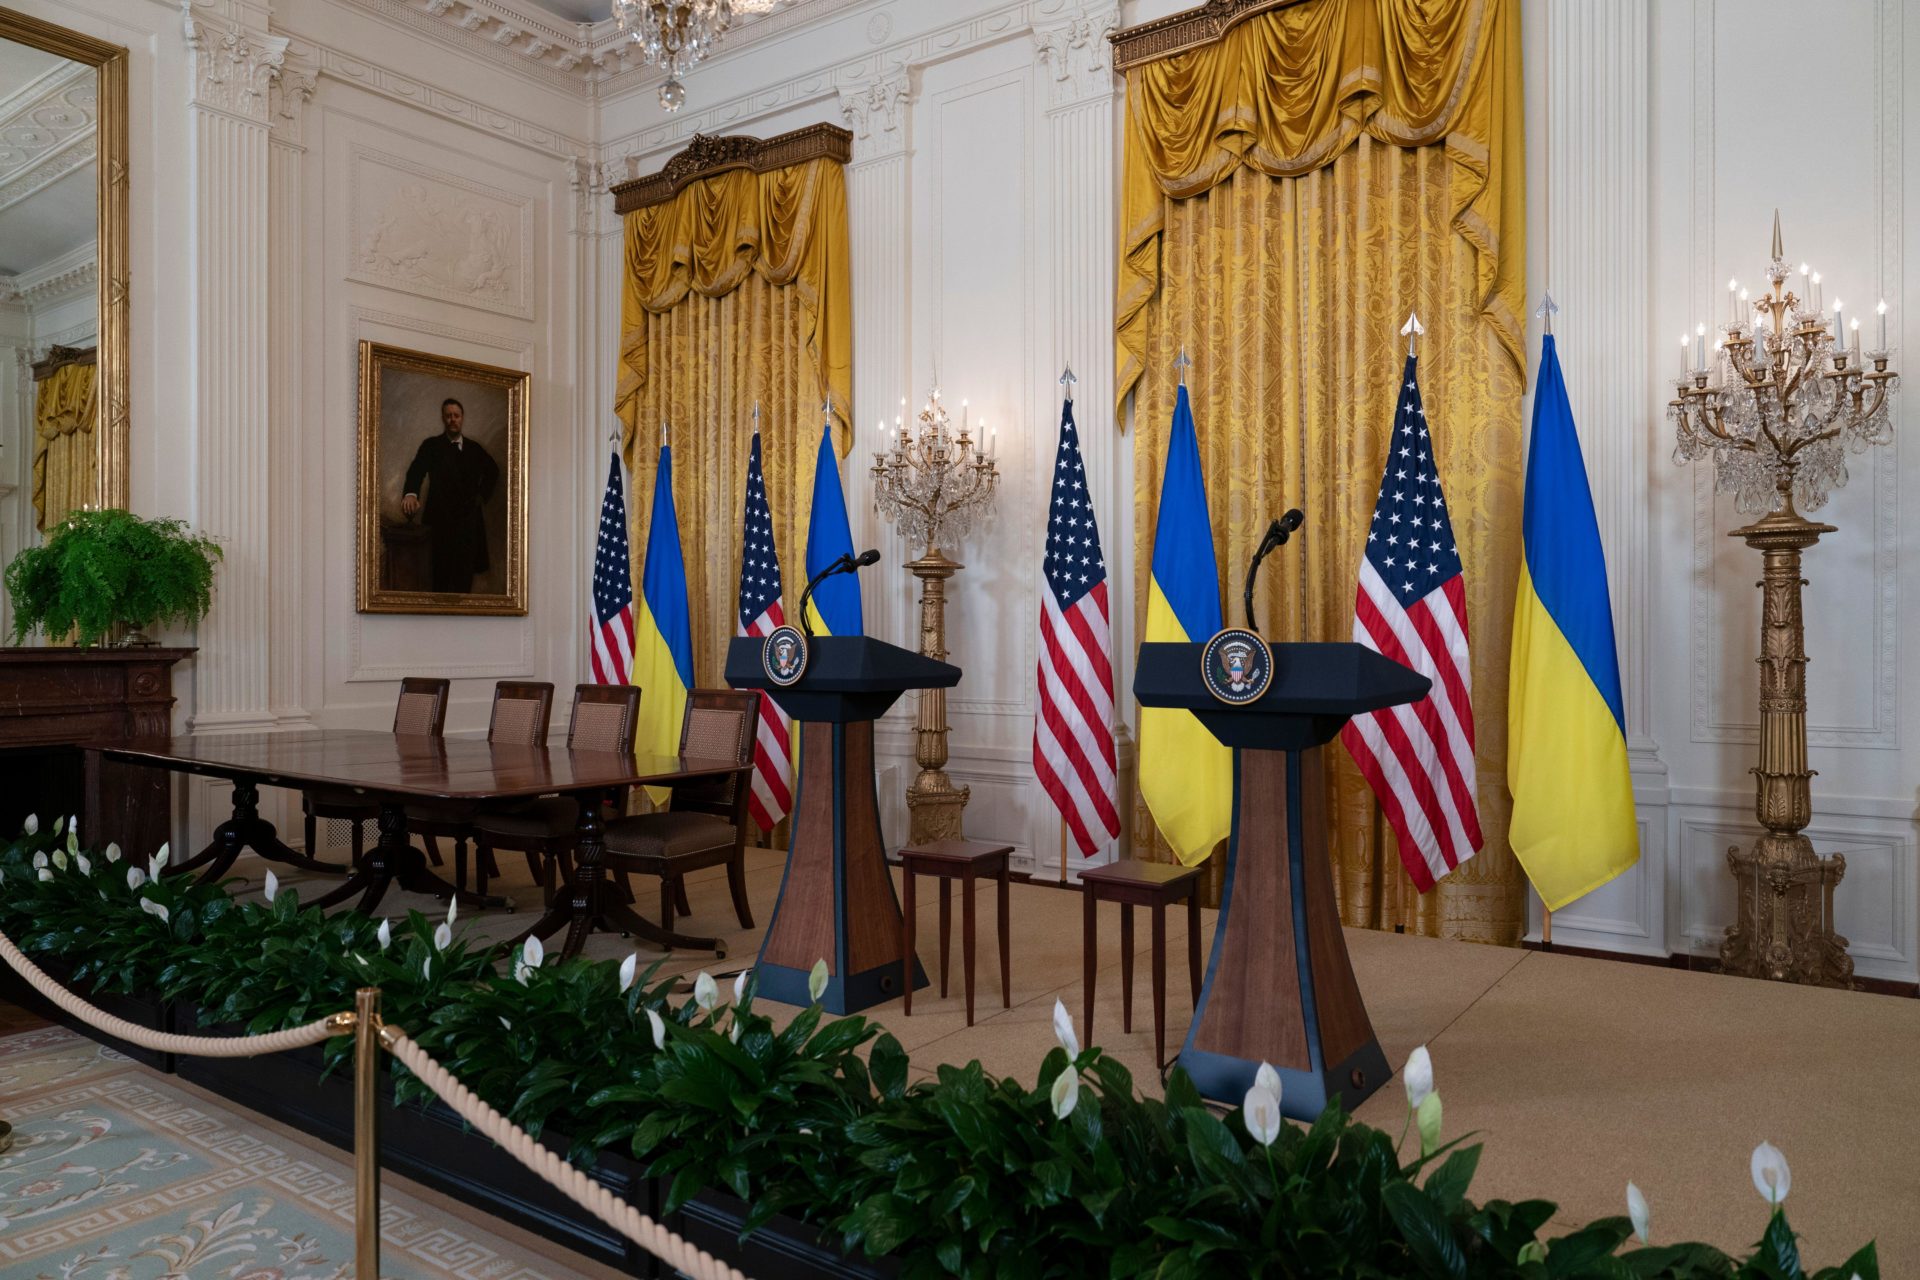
1783 924
934 803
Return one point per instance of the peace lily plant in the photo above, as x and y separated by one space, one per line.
1071 1174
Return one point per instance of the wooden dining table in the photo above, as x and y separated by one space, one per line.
396 770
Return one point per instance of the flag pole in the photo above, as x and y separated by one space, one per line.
1066 380
1545 311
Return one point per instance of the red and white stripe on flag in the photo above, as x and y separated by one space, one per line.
1073 731
1411 606
610 621
772 792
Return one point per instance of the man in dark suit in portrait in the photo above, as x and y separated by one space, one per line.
459 477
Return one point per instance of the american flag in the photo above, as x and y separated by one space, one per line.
760 613
1073 732
612 585
1412 607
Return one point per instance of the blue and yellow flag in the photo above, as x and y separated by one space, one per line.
663 630
1573 823
1186 775
834 609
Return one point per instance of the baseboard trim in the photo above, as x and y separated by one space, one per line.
1703 964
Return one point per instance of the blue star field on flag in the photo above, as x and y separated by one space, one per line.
759 566
612 652
1073 565
1410 542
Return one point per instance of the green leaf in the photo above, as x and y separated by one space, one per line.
887 1062
1778 1248
1447 1185
1425 1230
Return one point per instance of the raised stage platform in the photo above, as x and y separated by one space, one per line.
1578 1074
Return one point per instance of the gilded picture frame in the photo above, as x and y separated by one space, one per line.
442 490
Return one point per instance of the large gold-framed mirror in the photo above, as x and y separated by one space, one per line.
63 274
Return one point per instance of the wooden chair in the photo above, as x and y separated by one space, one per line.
602 720
420 711
521 713
706 823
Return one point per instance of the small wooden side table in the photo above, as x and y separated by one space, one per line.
1144 884
947 861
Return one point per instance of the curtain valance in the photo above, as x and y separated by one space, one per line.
1287 92
787 225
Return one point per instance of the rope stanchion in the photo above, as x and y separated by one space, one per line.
165 1041
670 1248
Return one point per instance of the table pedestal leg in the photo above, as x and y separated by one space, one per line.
246 829
586 903
394 860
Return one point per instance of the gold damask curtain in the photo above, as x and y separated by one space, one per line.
737 293
1289 293
65 461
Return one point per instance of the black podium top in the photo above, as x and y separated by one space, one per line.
1316 688
848 678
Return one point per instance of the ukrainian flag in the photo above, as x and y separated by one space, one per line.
1186 775
663 630
834 609
1573 824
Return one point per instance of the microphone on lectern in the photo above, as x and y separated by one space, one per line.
1277 534
841 564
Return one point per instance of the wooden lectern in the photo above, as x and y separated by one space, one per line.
1279 988
836 899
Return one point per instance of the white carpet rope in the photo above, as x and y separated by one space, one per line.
672 1249
165 1041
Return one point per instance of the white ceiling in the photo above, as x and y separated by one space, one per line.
576 10
47 202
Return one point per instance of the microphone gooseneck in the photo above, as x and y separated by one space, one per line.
1277 534
840 564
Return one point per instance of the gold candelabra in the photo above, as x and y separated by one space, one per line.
934 482
1783 403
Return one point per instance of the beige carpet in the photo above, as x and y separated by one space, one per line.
1579 1074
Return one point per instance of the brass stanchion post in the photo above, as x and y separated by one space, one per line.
366 1134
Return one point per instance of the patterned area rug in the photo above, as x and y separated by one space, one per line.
118 1174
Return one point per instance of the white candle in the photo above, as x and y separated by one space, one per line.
1744 311
1855 322
1733 302
1685 342
1817 307
1882 310
1806 288
1839 330
1700 347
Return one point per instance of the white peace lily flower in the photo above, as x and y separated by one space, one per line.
1066 1093
532 955
158 862
40 860
385 935
73 826
1063 1030
3 877
135 878
734 1034
817 980
271 887
659 1029
45 874
740 986
1418 1076
1261 1111
1267 1078
113 851
358 958
31 826
1638 1213
1426 1117
153 908
426 967
629 969
505 1023
442 937
706 992
80 861
1771 1177
59 859
59 825
73 837
453 910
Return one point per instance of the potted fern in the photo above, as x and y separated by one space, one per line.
106 575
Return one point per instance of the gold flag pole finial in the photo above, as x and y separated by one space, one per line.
756 417
1180 364
1412 329
1779 253
1546 309
1067 380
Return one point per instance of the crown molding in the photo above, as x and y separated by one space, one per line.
74 271
707 155
1188 29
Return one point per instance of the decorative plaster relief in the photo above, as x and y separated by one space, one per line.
426 231
232 67
47 131
1079 55
877 113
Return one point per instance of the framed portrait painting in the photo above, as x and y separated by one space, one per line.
443 484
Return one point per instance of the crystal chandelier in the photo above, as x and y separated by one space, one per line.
1787 397
932 482
676 34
